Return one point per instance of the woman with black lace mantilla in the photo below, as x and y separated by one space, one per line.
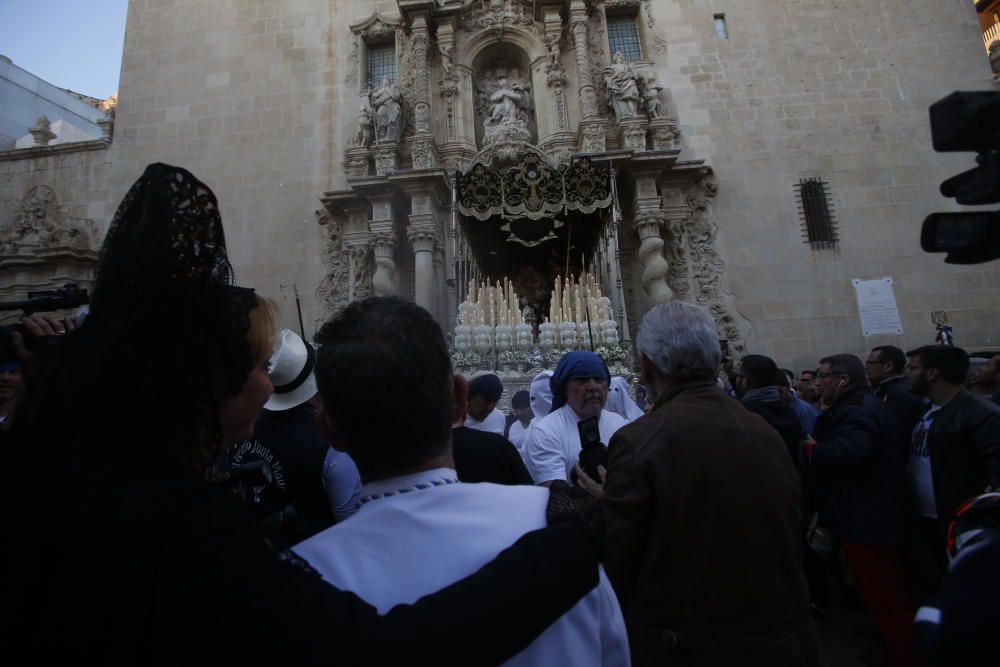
126 555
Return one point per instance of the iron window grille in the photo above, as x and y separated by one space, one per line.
623 35
819 225
381 63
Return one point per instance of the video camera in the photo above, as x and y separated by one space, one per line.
67 296
967 122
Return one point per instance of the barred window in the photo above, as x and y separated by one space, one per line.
623 35
381 63
818 223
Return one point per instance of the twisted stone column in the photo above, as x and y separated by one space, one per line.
654 266
578 24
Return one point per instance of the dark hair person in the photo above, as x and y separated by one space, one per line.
126 555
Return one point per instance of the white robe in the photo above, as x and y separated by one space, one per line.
517 434
495 422
552 447
398 548
620 402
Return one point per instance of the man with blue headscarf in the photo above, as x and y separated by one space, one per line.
579 391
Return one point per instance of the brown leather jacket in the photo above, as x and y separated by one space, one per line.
704 536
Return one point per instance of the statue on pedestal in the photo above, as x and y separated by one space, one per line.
363 134
651 96
387 102
623 90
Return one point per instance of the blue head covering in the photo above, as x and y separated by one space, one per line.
578 364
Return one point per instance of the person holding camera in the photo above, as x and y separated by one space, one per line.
127 555
579 392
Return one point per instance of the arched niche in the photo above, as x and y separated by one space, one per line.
500 67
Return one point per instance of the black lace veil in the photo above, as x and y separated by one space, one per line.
138 386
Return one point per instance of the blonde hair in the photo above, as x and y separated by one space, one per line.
263 328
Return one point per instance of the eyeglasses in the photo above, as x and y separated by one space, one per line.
872 362
823 376
910 368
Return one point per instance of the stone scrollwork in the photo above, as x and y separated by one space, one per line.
654 266
498 15
707 267
333 289
39 222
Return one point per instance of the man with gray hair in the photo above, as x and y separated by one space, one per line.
701 507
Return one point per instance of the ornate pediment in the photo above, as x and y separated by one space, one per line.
376 25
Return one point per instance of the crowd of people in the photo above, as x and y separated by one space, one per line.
201 484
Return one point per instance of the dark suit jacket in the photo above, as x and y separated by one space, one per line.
487 457
704 545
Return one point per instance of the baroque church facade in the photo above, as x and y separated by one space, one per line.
752 156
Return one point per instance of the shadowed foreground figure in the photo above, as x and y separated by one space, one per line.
126 556
701 504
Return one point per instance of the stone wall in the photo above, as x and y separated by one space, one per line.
841 92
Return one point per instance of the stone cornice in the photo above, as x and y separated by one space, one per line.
57 149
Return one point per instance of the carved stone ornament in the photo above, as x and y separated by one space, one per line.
498 15
386 156
361 271
356 161
707 267
677 259
40 223
423 151
622 85
632 133
593 136
333 290
42 131
664 133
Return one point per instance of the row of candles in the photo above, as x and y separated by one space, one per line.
490 318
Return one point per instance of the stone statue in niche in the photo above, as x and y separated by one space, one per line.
651 96
387 102
623 90
506 110
363 134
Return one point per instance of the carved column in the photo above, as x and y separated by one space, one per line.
649 219
654 267
383 230
423 241
423 234
422 148
578 23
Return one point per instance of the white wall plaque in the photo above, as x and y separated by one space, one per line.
877 307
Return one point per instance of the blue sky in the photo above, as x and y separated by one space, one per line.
73 44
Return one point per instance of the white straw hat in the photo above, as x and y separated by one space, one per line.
291 373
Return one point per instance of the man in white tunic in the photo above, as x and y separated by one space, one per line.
520 403
579 391
485 390
418 528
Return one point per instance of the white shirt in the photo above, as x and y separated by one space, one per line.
552 447
495 422
517 434
921 479
399 547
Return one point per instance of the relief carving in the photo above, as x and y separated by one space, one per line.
40 222
333 290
